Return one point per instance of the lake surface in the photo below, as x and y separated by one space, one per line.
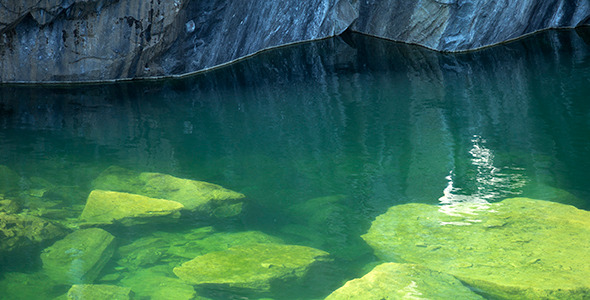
321 138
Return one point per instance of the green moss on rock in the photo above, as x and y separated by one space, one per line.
517 248
196 196
99 292
403 281
155 285
106 207
79 257
250 267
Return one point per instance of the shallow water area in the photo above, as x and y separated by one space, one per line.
311 142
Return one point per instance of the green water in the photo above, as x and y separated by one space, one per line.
321 138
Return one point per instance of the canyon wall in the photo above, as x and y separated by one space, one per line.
96 40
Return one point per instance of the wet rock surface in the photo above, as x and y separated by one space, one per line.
504 249
404 281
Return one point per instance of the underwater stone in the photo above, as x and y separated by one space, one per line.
197 196
250 267
99 292
404 281
79 257
517 248
155 284
107 207
21 231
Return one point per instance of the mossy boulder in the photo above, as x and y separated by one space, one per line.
196 196
404 281
99 292
22 231
79 257
107 207
254 268
517 248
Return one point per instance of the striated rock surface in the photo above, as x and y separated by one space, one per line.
459 25
404 281
250 267
79 257
90 40
519 248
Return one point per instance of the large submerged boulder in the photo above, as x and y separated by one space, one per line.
404 281
107 207
250 267
79 257
517 248
196 196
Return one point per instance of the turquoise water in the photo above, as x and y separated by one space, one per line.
321 138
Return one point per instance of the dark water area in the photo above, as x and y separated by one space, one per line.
362 123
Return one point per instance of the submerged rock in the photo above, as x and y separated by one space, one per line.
22 231
404 281
155 285
250 267
99 292
107 207
196 196
517 248
175 248
79 257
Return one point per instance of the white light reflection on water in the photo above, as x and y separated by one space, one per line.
491 183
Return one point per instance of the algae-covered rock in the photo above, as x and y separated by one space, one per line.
106 207
517 248
197 196
155 285
218 241
20 231
250 267
404 281
79 257
99 292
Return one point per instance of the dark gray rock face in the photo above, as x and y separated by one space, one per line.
459 25
96 40
89 40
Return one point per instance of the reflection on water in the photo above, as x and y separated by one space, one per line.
321 138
